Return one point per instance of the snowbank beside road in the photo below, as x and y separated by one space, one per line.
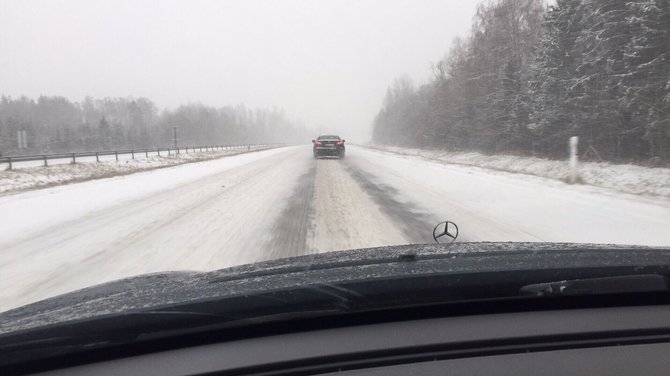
40 177
623 178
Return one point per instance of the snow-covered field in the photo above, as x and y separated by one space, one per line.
626 178
281 202
63 172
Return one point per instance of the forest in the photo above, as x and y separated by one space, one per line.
528 76
55 124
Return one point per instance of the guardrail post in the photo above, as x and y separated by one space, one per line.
168 151
97 157
116 154
187 150
159 152
132 152
248 147
146 153
45 160
73 158
10 162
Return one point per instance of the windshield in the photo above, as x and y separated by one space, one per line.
141 138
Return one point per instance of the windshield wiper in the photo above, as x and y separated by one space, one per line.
603 285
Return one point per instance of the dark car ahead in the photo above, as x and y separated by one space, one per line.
328 145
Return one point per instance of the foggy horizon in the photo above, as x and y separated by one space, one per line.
326 64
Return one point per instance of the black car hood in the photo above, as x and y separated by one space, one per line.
154 291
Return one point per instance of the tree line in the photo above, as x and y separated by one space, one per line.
55 124
529 76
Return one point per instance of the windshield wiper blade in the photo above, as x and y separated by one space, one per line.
603 285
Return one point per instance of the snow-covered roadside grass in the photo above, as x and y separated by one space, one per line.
42 177
625 178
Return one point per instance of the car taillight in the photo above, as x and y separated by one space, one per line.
318 143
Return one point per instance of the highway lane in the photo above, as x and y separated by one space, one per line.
280 203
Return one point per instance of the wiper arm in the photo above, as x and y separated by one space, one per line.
604 285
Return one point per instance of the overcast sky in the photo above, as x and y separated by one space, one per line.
325 62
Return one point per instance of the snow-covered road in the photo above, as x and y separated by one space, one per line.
281 202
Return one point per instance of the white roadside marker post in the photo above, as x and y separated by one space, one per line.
573 174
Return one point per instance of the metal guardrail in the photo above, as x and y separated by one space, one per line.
10 160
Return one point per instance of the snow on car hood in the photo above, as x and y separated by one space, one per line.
152 291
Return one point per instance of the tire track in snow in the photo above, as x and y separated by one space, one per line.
329 210
289 232
415 225
345 216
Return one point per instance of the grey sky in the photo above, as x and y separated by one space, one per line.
325 62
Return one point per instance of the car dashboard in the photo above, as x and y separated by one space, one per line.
606 340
